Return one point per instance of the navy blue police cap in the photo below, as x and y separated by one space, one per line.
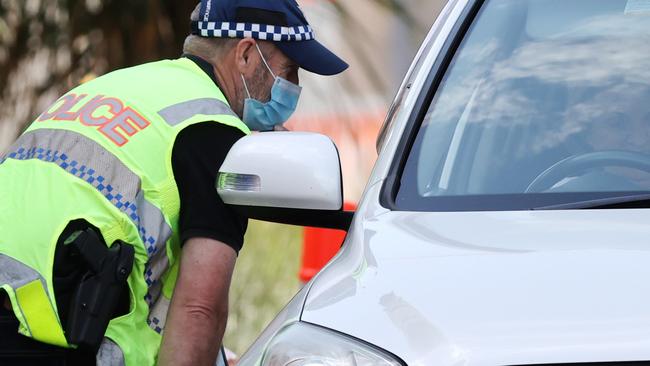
279 21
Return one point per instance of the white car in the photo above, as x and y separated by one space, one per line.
506 221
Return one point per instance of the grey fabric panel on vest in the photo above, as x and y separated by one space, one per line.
157 229
158 314
178 113
110 354
89 161
16 274
153 271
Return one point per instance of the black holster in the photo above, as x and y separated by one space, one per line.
98 292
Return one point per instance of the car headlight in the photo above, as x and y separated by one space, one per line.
303 344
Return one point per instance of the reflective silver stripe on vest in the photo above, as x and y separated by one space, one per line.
81 157
109 354
16 274
87 160
178 113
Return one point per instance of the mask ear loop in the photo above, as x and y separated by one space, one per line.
245 86
265 64
264 60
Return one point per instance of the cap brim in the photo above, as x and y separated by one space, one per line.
313 57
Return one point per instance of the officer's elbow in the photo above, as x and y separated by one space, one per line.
198 311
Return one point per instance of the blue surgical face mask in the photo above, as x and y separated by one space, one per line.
260 116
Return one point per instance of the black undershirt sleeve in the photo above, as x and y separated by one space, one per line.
198 153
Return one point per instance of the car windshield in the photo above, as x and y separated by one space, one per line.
545 102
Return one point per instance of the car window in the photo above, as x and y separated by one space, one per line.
545 102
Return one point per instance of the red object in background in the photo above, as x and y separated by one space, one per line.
319 246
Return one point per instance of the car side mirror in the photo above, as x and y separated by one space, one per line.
286 177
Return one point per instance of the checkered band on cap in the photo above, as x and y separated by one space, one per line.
263 32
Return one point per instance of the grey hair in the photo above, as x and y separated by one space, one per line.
208 48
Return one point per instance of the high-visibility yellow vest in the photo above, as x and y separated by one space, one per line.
102 152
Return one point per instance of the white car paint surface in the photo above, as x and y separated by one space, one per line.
438 268
493 288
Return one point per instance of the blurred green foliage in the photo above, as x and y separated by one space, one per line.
49 46
266 278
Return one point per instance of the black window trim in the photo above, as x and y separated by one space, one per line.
391 184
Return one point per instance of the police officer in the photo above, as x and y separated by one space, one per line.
108 204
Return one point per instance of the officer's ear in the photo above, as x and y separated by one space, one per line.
246 57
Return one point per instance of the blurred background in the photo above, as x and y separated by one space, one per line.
49 46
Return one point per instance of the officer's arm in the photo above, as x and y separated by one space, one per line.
197 316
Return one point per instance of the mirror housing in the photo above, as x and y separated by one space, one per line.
286 177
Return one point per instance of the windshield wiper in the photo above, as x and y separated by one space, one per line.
631 201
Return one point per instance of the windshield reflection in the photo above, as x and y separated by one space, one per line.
529 88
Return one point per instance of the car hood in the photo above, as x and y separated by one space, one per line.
492 288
